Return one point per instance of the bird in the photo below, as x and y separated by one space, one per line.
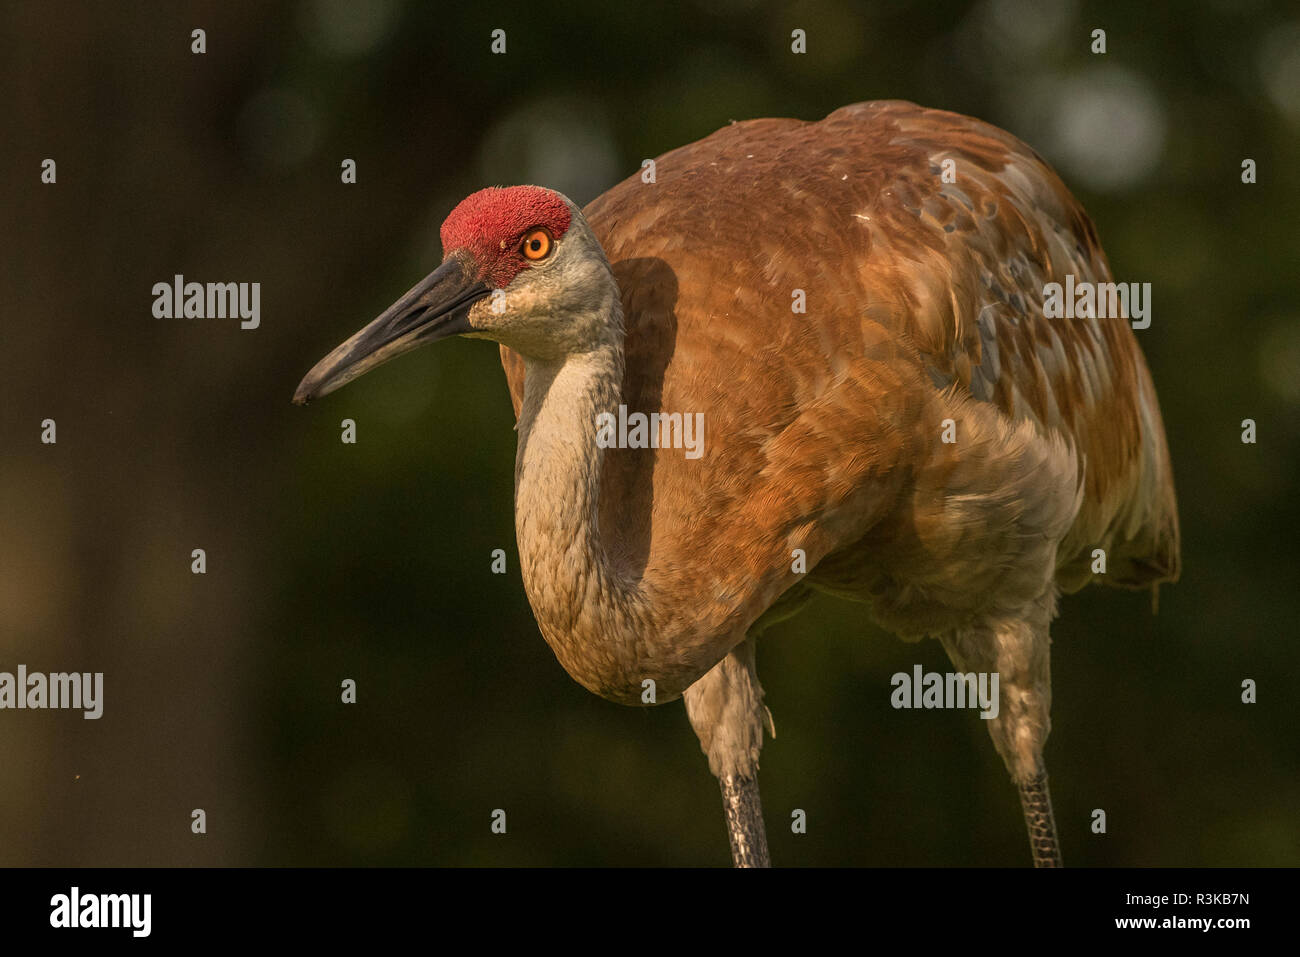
852 310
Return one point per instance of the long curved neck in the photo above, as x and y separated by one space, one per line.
606 628
588 613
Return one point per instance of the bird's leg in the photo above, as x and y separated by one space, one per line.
1017 649
1037 803
745 831
726 710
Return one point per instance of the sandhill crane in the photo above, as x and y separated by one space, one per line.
825 427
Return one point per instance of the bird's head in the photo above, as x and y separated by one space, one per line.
520 266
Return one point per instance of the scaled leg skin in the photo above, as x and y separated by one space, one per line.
1018 649
1037 802
726 710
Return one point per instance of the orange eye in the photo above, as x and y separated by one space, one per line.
537 245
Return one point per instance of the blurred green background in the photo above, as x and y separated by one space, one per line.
328 561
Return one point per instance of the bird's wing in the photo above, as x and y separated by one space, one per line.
1006 228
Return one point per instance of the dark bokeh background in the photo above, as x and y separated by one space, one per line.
371 561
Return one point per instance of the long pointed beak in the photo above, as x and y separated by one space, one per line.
436 308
